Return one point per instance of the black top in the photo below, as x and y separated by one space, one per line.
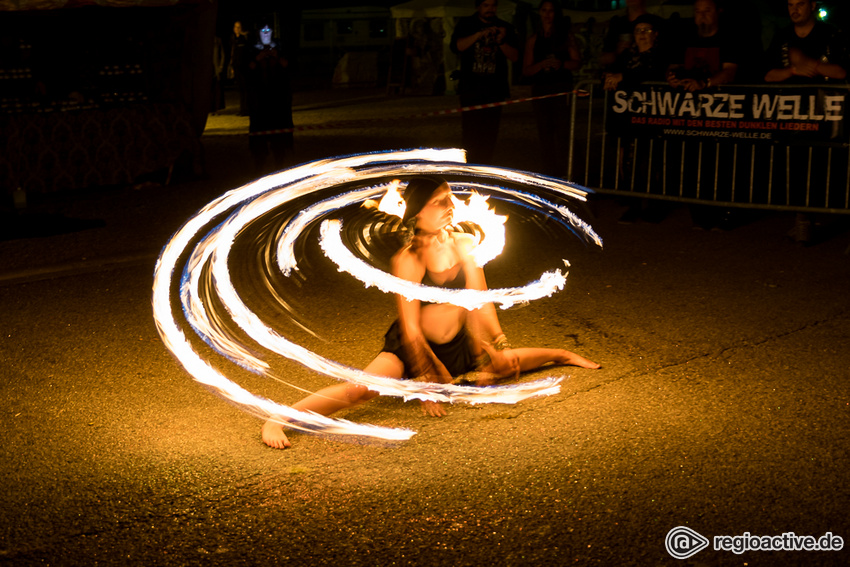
483 66
705 56
824 43
550 81
457 282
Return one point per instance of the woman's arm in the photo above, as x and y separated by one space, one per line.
574 63
529 67
483 323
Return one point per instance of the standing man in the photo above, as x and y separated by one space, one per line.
484 44
710 55
812 52
809 51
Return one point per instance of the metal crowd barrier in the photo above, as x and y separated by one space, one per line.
779 175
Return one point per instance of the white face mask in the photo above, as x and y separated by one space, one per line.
266 36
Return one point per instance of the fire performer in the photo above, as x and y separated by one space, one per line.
433 342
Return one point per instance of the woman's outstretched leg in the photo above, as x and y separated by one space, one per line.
532 358
510 362
334 398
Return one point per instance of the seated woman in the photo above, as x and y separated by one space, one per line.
433 342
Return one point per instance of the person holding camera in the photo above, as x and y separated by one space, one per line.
484 44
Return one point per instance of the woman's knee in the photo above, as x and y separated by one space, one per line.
358 393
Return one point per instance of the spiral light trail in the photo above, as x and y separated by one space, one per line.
206 242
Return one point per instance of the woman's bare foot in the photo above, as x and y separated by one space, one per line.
273 435
572 358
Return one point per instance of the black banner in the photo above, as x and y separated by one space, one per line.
799 114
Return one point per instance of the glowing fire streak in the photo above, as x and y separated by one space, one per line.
263 196
470 299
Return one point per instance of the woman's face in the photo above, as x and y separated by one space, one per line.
645 36
438 211
547 13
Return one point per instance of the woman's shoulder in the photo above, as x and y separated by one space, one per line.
407 263
463 242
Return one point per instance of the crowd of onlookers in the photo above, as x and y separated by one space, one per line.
639 46
718 49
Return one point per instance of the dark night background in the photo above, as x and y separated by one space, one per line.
722 403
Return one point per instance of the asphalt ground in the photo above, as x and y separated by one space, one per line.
722 403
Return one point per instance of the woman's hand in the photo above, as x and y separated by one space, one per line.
612 80
434 409
503 363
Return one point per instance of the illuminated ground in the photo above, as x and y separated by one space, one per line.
722 405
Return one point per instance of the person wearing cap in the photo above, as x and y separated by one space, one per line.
433 342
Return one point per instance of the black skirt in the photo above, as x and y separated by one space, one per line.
456 355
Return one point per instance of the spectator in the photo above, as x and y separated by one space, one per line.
709 57
269 103
808 51
236 70
642 61
620 31
218 102
551 55
484 44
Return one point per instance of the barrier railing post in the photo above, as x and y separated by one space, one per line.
699 167
634 149
847 177
604 140
734 169
809 177
619 165
787 175
752 170
716 169
587 148
770 177
572 135
828 175
649 166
